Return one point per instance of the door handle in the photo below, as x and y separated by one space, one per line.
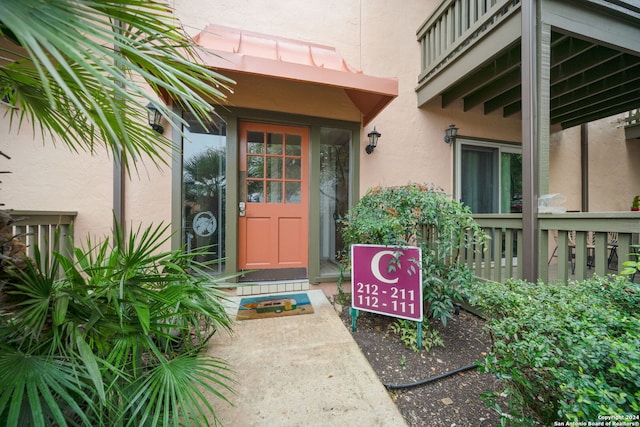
242 208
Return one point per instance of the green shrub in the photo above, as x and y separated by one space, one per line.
111 335
424 216
566 352
408 333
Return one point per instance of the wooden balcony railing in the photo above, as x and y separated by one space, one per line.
48 230
456 26
633 118
571 245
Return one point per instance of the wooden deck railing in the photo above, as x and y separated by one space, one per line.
48 230
633 118
571 245
455 26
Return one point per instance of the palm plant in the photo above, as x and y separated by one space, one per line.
112 335
81 70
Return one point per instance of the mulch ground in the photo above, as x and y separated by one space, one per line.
451 401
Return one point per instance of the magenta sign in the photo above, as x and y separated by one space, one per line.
387 280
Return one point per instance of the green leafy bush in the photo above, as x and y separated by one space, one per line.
111 335
424 216
566 352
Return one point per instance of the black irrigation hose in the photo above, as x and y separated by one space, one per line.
431 379
441 376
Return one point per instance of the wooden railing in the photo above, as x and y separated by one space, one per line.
571 246
455 26
48 230
633 118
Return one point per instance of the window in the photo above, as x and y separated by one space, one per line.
489 177
203 189
274 167
335 147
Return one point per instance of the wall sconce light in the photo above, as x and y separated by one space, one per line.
154 117
373 140
450 134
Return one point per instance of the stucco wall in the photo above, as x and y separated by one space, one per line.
50 177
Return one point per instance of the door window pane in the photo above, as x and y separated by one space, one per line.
274 143
293 169
255 142
255 191
255 166
294 145
274 167
293 192
274 192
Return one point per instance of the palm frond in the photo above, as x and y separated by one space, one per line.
80 70
179 383
39 389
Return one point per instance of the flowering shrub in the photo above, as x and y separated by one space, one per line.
566 352
424 216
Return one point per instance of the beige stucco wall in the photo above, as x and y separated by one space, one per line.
48 177
148 194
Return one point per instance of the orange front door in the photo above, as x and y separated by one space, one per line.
273 223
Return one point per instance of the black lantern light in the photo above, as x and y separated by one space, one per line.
373 140
154 117
450 134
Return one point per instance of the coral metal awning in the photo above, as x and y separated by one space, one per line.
269 56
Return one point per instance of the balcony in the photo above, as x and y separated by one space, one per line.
472 50
544 62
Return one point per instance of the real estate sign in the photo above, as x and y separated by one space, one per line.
387 280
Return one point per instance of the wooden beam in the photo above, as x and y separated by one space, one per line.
506 82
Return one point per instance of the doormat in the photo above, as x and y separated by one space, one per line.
263 307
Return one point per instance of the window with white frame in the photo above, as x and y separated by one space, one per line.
489 176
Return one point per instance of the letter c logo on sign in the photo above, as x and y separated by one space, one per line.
375 267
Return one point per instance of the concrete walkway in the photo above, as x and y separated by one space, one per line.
303 370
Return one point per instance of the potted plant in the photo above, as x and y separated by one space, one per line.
635 206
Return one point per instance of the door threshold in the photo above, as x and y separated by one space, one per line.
272 287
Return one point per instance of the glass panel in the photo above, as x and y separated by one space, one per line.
334 194
274 192
255 166
511 183
203 189
274 167
294 145
293 192
255 191
293 169
255 142
479 180
274 143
